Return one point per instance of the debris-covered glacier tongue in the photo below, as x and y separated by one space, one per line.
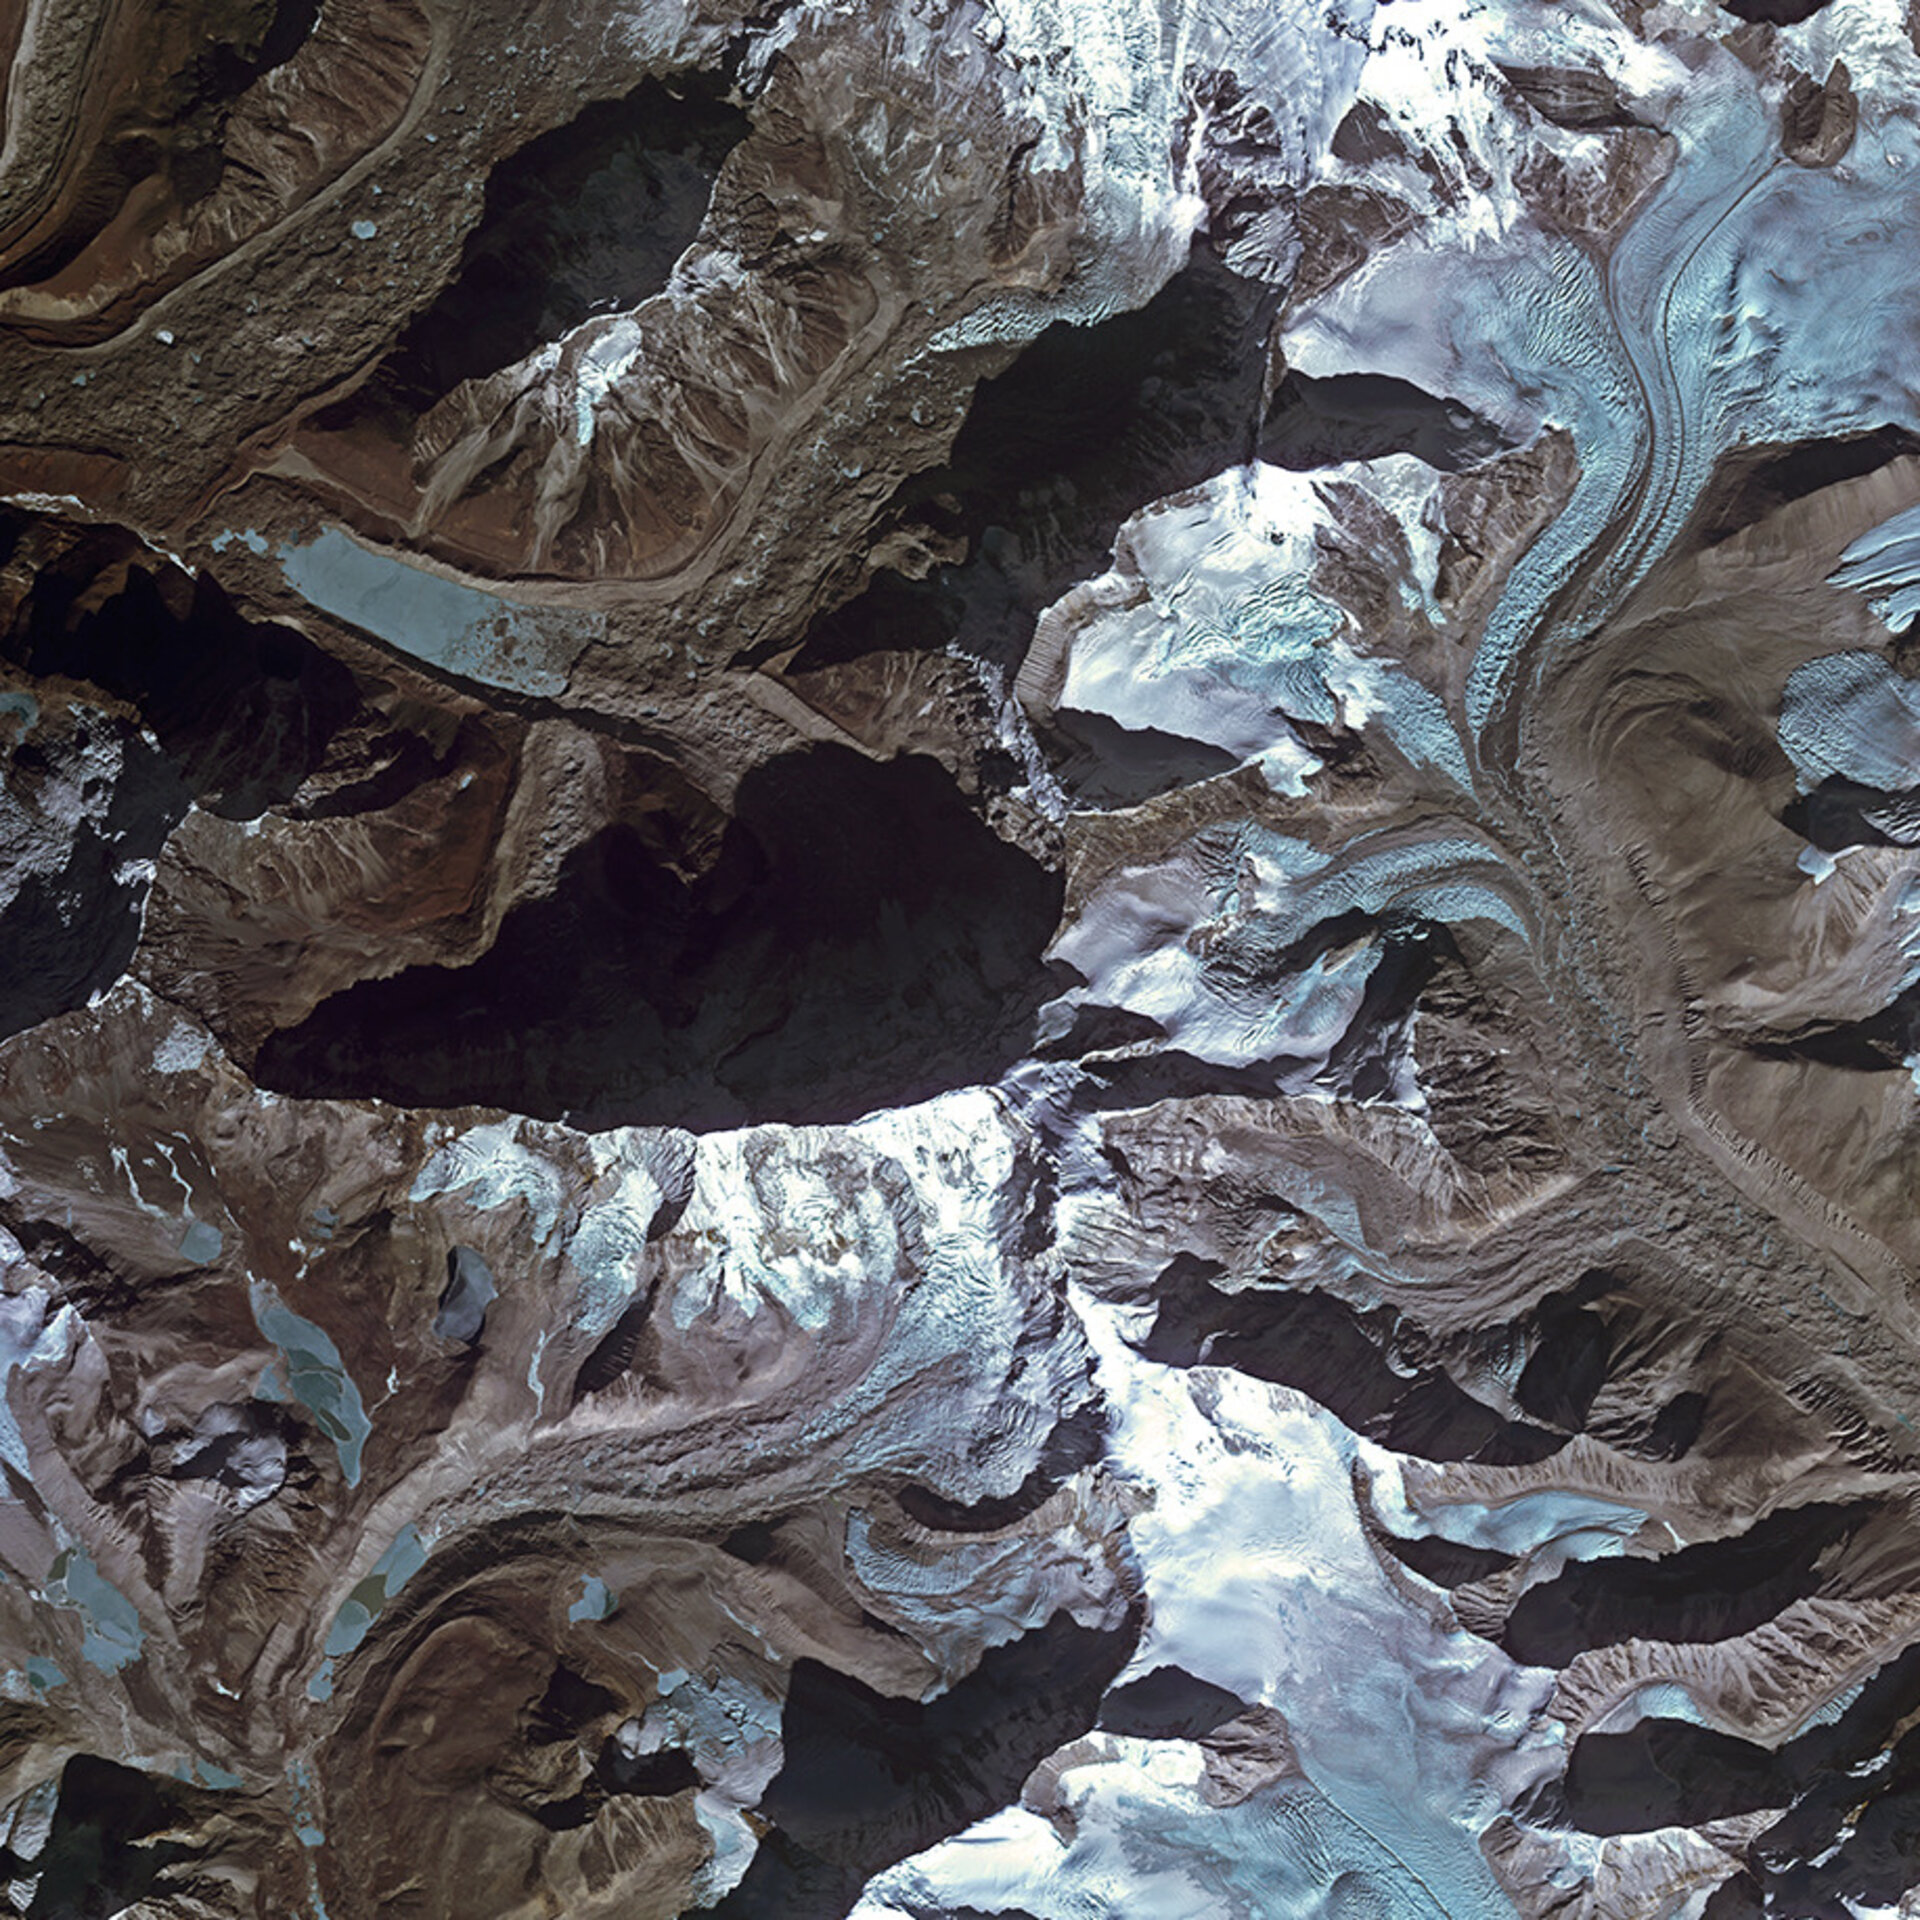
959 959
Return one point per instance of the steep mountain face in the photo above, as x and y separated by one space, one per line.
959 958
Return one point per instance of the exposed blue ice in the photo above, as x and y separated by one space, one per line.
1210 626
1851 716
1885 566
1715 320
1636 397
1410 878
491 1166
1577 1526
26 1330
1286 645
1143 1843
608 1248
1260 1579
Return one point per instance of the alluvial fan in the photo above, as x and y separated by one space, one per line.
959 958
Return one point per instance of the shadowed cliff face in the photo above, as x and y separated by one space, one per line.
849 899
106 1845
1092 423
1086 426
1716 1591
868 1781
958 960
588 218
242 711
160 697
